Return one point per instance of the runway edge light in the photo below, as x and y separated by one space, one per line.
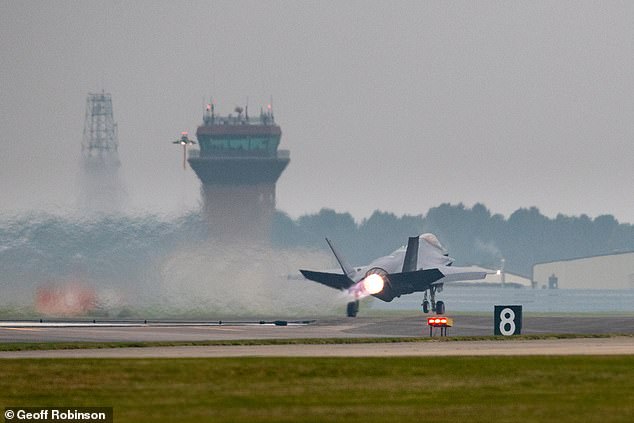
440 322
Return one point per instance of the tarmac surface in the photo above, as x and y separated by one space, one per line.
583 346
361 327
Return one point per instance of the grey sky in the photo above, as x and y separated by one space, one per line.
396 106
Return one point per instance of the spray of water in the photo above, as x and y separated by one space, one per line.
148 266
245 281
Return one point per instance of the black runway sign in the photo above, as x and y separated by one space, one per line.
507 320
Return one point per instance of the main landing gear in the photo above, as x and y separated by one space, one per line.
437 306
353 308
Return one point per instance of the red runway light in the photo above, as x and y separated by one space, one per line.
439 321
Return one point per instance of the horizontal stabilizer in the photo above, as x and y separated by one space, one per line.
333 280
407 282
418 280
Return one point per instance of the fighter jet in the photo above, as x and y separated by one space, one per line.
422 266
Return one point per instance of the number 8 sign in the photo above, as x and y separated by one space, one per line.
507 320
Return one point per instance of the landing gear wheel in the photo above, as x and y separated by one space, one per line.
440 307
353 309
425 305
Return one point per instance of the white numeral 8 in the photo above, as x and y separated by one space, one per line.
507 317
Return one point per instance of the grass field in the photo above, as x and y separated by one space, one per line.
474 389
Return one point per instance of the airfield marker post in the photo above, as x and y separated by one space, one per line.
507 320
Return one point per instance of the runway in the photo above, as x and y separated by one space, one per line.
584 346
362 327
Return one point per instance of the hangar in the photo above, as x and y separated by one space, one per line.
496 278
610 271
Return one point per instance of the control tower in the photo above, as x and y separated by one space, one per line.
238 164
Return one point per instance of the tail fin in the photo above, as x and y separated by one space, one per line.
348 270
411 255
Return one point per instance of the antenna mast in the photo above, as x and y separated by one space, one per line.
101 188
100 141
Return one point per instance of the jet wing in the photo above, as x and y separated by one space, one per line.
333 280
453 274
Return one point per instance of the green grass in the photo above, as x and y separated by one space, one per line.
475 389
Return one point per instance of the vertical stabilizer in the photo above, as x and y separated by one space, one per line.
345 266
411 255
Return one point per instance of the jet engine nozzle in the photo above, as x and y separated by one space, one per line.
373 284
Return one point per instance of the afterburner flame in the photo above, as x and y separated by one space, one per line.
373 284
370 285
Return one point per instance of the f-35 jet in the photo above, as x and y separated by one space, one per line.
422 266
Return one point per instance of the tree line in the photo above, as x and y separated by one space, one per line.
471 235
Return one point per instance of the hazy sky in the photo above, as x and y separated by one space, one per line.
397 106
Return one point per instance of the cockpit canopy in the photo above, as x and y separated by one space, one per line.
433 240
